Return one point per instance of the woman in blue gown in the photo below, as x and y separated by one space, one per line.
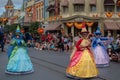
18 59
100 50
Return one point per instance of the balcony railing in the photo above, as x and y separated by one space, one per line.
112 15
94 14
30 3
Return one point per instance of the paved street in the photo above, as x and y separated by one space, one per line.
51 65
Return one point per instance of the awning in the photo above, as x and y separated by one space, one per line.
109 2
118 23
93 2
52 26
64 3
50 7
26 24
78 1
111 26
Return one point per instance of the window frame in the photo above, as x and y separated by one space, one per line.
65 9
109 8
79 7
91 8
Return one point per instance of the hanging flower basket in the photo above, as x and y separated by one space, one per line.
59 17
119 14
36 6
69 24
40 30
42 3
89 24
109 14
39 5
28 9
8 6
55 17
78 25
50 18
4 19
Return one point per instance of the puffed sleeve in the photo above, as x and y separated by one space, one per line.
103 38
13 42
23 43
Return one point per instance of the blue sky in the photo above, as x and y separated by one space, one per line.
17 4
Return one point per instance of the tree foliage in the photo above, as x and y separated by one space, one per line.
11 28
33 27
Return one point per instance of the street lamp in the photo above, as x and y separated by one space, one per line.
115 1
30 16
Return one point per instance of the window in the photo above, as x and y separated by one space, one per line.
65 9
37 14
118 8
42 12
93 8
78 7
109 8
51 13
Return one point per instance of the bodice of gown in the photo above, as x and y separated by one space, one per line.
85 43
82 43
98 41
17 42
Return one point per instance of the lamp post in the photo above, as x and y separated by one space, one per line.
115 1
30 16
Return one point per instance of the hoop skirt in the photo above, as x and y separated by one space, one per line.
82 64
101 56
100 53
19 61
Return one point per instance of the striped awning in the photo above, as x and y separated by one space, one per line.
118 23
111 26
78 1
53 26
93 2
64 3
109 2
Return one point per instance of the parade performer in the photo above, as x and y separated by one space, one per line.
2 40
99 49
82 64
19 61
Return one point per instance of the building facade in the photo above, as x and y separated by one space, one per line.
71 15
35 11
9 8
11 14
103 13
53 21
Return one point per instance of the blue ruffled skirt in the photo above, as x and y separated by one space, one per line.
19 62
101 56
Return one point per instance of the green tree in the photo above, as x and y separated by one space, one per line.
33 27
11 28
